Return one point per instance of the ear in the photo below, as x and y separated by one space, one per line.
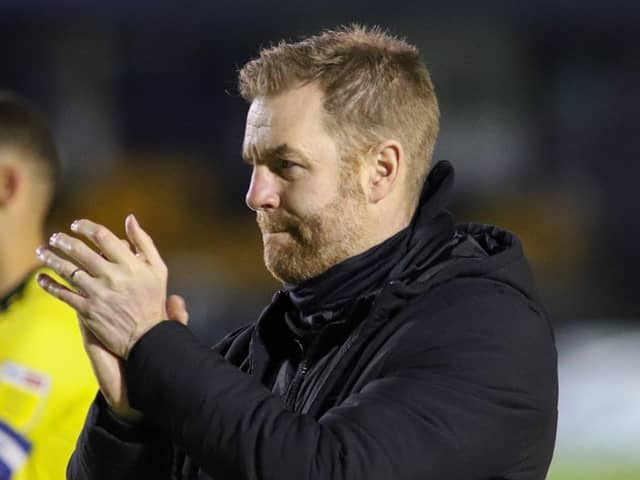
388 159
9 182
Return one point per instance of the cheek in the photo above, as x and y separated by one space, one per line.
306 198
313 194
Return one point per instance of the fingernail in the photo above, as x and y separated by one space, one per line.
42 281
53 239
74 225
40 251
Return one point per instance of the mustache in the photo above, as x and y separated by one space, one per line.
269 224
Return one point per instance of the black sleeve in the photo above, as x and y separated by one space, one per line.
110 449
468 407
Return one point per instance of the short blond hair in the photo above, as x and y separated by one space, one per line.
375 85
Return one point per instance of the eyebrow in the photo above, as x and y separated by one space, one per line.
280 151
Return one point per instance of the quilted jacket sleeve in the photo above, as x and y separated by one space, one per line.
110 449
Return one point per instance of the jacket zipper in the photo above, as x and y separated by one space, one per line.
296 383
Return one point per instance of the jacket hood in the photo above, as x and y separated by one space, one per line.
438 251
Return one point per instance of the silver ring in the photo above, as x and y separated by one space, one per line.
74 272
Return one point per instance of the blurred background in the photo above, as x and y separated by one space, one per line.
540 105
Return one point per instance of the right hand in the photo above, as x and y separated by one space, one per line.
109 369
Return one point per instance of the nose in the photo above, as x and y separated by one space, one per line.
262 193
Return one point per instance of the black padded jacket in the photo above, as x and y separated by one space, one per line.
447 370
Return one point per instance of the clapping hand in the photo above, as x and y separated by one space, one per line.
118 293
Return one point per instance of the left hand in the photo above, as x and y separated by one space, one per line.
121 294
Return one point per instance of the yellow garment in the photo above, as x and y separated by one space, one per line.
46 384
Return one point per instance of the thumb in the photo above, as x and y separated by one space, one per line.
177 309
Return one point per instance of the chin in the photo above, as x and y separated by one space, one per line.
289 266
286 266
284 275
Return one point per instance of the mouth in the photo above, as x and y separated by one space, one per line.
272 230
276 238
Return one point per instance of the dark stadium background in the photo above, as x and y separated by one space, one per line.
540 115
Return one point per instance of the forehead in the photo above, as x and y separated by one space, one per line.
294 117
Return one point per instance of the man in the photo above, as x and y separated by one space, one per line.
46 382
400 346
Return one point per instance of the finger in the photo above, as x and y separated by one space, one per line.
126 243
68 296
177 309
104 239
142 241
67 270
81 253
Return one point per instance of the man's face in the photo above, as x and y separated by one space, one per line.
310 205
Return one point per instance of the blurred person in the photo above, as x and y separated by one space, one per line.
399 347
46 381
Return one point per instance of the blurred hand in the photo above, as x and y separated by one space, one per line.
177 309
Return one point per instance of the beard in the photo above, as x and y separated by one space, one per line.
315 242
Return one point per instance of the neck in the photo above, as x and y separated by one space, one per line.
17 258
380 231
